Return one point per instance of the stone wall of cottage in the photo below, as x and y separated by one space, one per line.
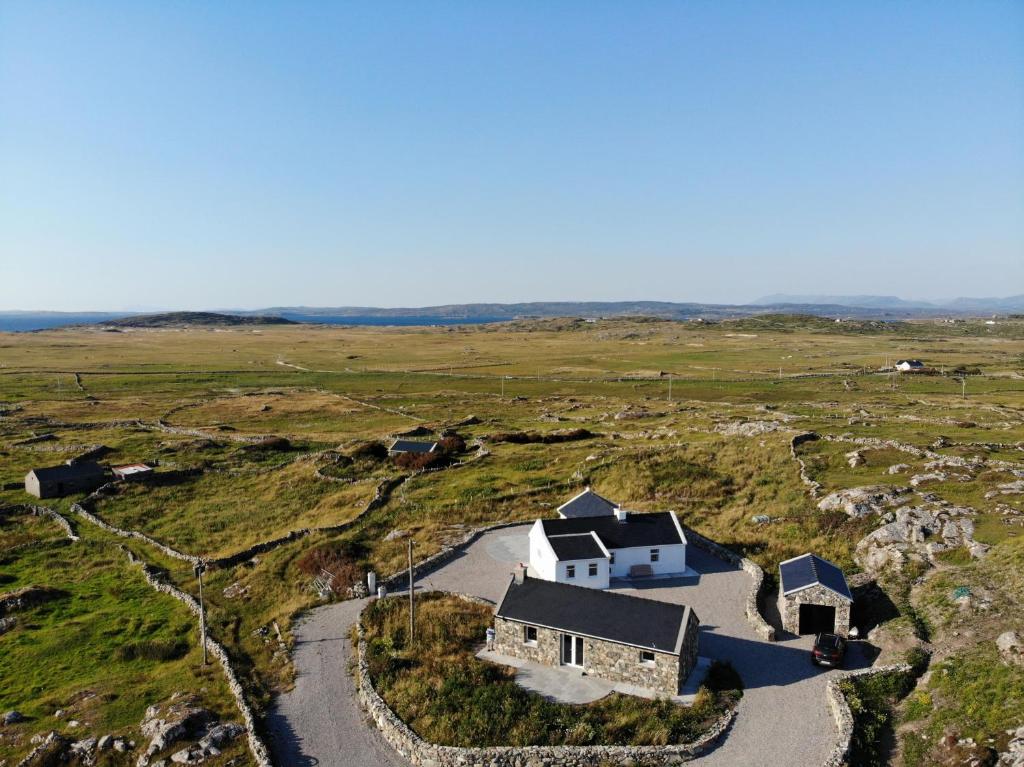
789 608
688 652
606 660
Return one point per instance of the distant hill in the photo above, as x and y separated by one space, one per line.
187 319
894 303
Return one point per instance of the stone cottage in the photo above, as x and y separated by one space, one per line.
814 597
620 638
66 479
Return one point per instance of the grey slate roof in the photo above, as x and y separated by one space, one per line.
657 529
587 504
411 446
576 546
69 472
811 570
596 613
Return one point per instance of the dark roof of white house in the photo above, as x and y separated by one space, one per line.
596 613
656 529
69 472
811 570
411 446
576 546
912 363
587 504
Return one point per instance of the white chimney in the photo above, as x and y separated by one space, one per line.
620 514
519 574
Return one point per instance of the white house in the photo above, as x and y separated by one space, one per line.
591 550
906 366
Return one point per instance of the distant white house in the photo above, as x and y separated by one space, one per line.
905 366
590 549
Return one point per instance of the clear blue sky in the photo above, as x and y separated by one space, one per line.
198 154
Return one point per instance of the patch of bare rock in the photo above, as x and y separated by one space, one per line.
859 502
748 428
182 722
919 533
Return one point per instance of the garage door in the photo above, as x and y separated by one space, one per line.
817 619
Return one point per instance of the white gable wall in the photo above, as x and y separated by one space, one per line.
671 559
543 562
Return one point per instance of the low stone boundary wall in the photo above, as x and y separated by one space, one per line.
841 710
813 487
425 754
83 510
62 522
256 745
751 568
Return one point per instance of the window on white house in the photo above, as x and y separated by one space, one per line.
646 658
570 571
611 557
529 635
592 569
655 555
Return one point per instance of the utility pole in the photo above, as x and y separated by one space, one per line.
963 388
503 387
669 387
412 602
200 568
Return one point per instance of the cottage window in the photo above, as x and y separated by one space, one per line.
570 571
592 569
611 557
655 555
646 658
530 635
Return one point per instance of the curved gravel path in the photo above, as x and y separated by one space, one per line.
783 717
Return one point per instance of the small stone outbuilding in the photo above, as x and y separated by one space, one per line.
620 638
814 597
66 479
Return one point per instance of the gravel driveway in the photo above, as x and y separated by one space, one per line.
783 717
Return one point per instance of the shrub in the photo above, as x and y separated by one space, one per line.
342 560
376 451
152 650
452 443
419 461
524 438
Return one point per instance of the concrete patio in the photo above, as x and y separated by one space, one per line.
566 684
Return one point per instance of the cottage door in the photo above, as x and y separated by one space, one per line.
572 650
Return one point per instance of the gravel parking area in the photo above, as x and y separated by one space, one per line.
783 717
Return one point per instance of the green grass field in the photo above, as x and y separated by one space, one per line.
333 388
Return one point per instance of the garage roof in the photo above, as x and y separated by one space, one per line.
809 570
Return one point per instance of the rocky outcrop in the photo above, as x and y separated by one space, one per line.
748 428
859 502
1014 754
918 533
1011 648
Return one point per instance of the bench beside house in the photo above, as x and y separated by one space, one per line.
619 638
65 479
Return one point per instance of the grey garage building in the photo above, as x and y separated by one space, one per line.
617 637
66 479
814 596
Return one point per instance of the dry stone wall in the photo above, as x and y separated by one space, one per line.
841 710
424 754
751 568
256 745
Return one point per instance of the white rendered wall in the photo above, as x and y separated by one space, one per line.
671 560
599 581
